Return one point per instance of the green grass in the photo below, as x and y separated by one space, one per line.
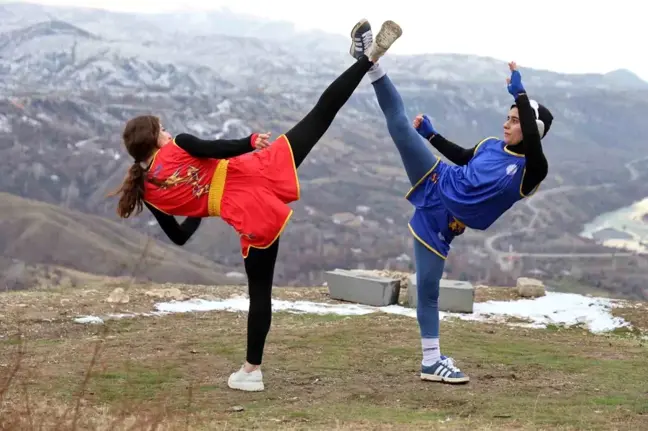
328 372
133 382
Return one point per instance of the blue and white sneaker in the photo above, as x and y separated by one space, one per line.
443 371
361 39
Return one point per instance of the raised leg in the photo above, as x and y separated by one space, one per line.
415 154
305 134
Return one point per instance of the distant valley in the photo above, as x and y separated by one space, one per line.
70 78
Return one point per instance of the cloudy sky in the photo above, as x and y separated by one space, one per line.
569 36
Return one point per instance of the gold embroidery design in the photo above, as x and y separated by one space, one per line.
191 178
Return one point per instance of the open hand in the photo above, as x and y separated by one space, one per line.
424 126
514 83
262 140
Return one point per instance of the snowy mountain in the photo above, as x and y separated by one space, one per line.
70 78
117 47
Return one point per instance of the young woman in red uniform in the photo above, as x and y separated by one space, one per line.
248 189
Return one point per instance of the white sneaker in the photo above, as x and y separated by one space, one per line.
252 382
388 34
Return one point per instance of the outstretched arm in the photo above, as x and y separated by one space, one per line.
537 166
451 151
220 148
179 234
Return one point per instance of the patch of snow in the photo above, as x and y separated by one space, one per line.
555 308
30 121
559 309
403 258
224 107
563 84
401 311
96 320
5 124
93 320
241 303
199 129
563 309
236 275
123 315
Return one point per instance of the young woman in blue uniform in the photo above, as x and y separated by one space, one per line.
484 182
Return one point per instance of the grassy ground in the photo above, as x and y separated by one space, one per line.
321 372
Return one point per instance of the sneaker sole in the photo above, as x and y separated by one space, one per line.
388 34
246 386
439 379
353 31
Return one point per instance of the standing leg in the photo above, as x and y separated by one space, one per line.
259 266
305 134
415 154
429 270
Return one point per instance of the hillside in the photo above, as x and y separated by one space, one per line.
46 234
326 368
70 78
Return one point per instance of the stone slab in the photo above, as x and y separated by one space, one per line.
530 287
454 296
374 290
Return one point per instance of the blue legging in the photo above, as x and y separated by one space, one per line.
418 160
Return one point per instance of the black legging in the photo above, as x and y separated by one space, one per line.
305 134
260 263
259 266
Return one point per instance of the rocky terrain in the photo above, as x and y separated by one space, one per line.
70 78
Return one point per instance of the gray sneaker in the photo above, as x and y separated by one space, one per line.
388 34
361 39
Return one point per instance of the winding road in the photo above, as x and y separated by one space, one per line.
501 256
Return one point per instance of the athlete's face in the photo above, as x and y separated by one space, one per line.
512 129
164 137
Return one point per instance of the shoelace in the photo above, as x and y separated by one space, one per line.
449 362
367 39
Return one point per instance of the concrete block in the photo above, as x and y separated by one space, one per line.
362 288
454 296
530 287
411 291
